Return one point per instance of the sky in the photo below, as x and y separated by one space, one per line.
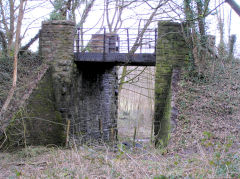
34 18
235 26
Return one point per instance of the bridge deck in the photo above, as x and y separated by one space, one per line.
120 59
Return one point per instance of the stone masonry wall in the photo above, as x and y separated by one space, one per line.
94 107
85 94
56 47
97 43
43 118
47 108
171 54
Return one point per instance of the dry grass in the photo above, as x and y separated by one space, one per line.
205 143
209 110
95 162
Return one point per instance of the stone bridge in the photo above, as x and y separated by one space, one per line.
78 95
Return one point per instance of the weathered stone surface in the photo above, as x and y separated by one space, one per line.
94 109
84 94
39 122
43 120
171 53
101 42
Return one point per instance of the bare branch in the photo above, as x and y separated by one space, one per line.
234 6
25 47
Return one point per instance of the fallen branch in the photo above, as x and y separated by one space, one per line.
26 47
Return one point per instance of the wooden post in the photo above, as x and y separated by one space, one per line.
67 134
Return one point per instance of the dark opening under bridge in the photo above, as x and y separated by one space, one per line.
80 89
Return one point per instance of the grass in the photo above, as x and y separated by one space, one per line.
95 162
205 143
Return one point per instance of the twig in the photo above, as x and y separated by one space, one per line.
134 162
5 135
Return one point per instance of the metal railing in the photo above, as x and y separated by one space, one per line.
100 40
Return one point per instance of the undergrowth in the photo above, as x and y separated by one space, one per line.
205 143
28 64
103 162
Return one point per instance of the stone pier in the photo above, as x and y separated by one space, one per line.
172 53
85 94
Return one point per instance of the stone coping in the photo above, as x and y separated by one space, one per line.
58 22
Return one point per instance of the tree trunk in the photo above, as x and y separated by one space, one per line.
201 22
234 6
17 41
11 32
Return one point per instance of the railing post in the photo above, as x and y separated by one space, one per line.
128 40
78 39
104 43
118 39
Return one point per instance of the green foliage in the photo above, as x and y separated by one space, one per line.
223 162
6 69
160 177
18 173
27 64
14 132
88 49
57 13
226 164
207 134
5 65
190 74
206 140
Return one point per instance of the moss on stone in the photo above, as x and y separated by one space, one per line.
171 53
44 123
165 125
162 103
38 123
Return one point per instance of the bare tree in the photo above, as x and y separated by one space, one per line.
8 17
22 6
115 21
85 12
